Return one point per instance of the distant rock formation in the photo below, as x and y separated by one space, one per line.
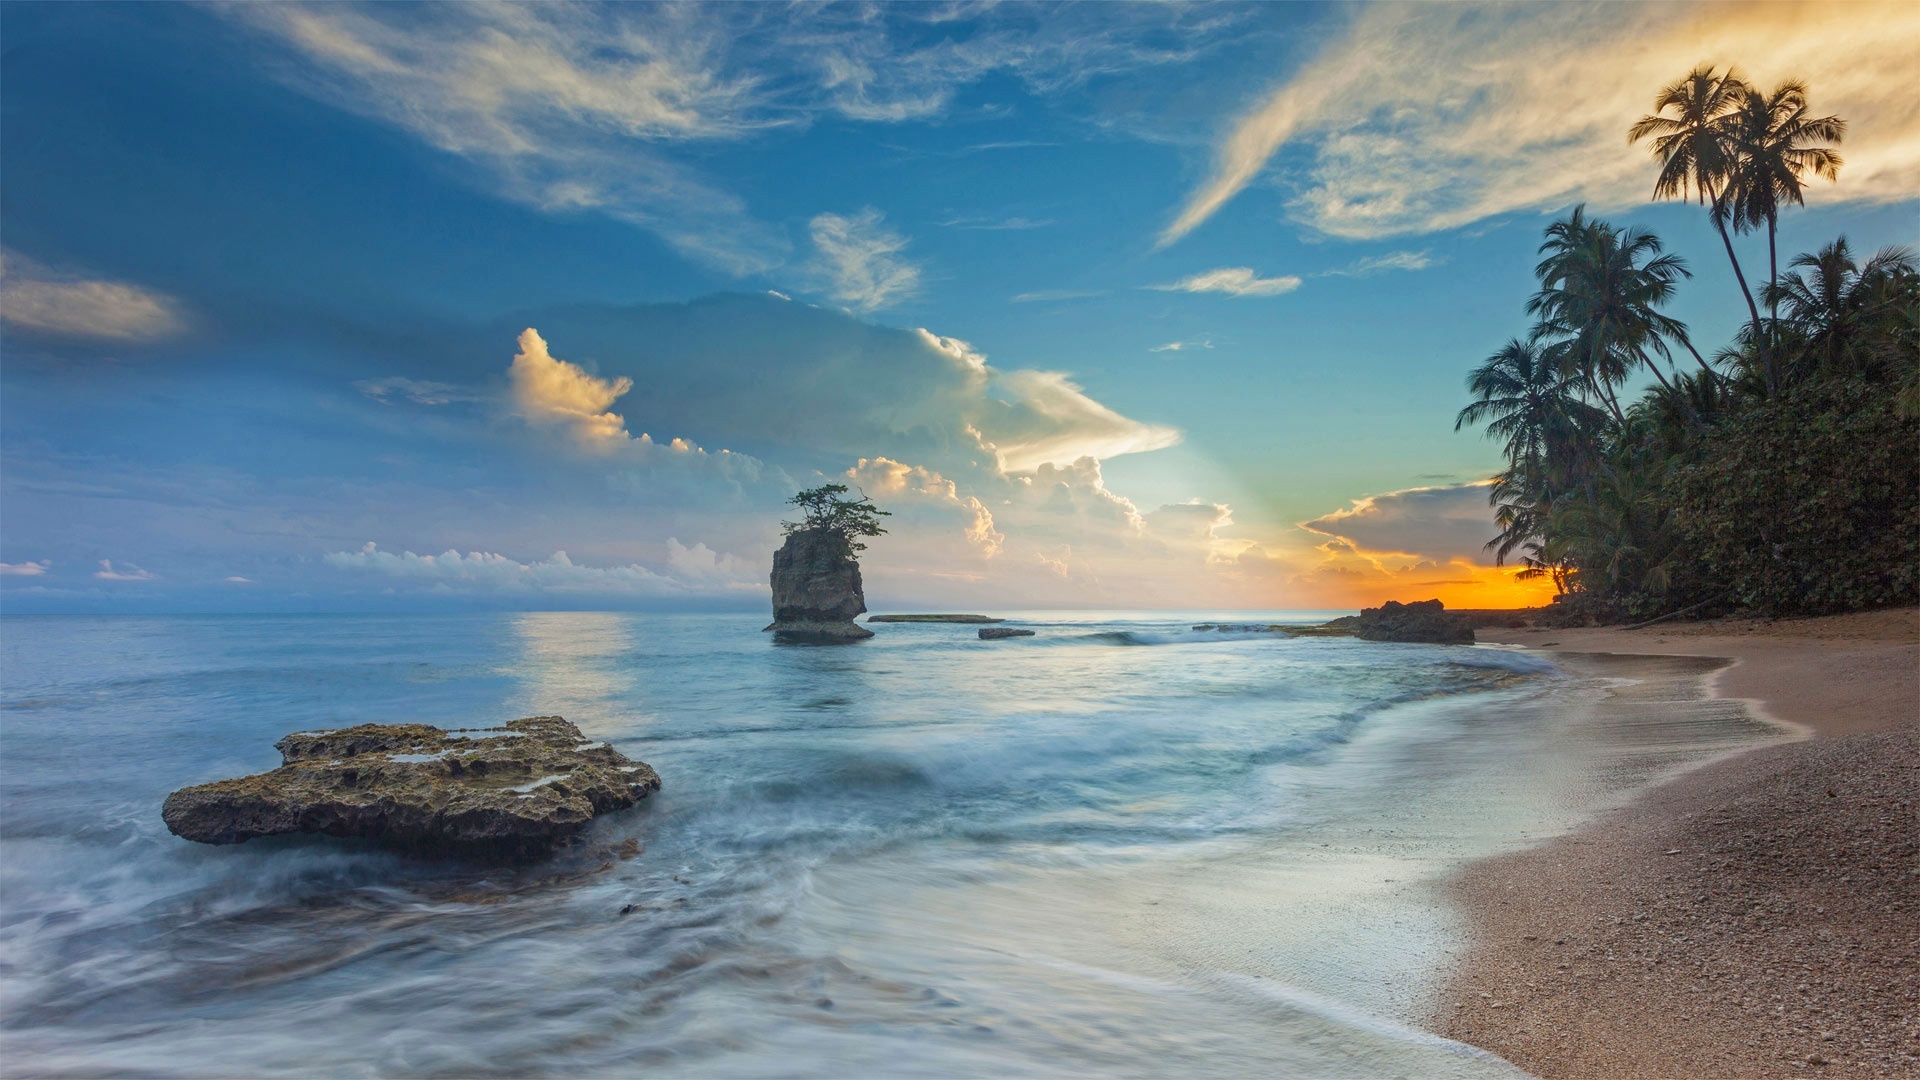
1421 621
816 588
509 791
934 618
991 633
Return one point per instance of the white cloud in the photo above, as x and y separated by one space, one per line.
566 107
26 569
489 571
859 260
1182 346
701 563
1048 419
35 298
124 572
552 391
1424 117
1376 264
236 579
884 477
1233 281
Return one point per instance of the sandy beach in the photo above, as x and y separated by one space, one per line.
1758 916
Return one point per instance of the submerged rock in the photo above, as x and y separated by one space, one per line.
1422 621
514 790
816 588
992 632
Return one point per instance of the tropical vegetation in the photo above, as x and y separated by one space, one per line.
1781 475
823 510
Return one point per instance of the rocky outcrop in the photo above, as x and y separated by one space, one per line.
934 618
1421 621
514 790
992 633
816 588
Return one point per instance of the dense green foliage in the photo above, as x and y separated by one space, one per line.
1781 477
823 509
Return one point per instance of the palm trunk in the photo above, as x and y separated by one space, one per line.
1773 286
1720 226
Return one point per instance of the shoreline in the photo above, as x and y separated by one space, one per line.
1758 915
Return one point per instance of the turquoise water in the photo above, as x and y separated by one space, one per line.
1119 847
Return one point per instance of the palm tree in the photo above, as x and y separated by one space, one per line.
1525 397
1775 144
1601 288
1695 147
1846 313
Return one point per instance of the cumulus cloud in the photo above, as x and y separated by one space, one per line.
1423 117
884 477
32 297
858 258
490 571
548 390
34 568
1437 523
123 572
702 564
1233 281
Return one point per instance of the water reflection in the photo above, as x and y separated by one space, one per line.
573 663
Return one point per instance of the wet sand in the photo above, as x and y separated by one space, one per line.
1758 916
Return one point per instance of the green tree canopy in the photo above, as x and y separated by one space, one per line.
823 509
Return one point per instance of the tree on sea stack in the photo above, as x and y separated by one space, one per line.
816 575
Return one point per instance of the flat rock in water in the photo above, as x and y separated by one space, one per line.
1421 621
992 632
934 618
513 790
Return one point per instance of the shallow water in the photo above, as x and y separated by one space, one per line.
1121 846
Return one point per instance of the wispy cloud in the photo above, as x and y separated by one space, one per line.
1233 281
1419 118
1041 296
34 568
418 391
860 260
123 572
575 108
71 305
1182 346
996 224
1380 264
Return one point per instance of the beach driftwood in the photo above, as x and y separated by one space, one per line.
513 790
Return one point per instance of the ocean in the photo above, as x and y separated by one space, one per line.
1121 847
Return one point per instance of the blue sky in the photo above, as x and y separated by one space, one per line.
1106 302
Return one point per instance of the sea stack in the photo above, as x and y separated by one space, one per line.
816 588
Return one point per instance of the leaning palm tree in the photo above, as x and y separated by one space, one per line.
1601 289
1776 144
1696 148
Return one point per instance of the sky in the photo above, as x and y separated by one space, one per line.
482 306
